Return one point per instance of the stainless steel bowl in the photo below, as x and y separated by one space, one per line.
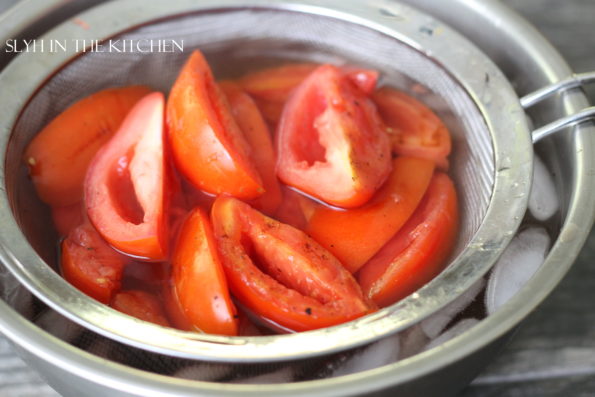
430 373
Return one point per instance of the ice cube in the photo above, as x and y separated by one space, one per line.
413 340
525 253
454 331
543 199
435 324
377 354
58 326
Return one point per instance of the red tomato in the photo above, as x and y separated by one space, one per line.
140 304
330 141
125 188
275 84
59 155
258 137
199 280
271 87
280 273
355 235
67 218
413 128
207 145
90 264
416 254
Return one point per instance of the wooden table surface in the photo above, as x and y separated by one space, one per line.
553 352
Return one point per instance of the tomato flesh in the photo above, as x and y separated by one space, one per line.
330 140
90 264
126 184
208 146
58 156
355 235
199 280
413 128
281 274
416 253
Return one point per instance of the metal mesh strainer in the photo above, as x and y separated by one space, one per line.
491 162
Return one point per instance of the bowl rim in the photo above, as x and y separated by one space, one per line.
500 109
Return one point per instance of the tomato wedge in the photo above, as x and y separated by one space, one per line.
199 280
258 137
281 274
140 304
413 128
330 141
90 264
416 254
208 146
60 153
271 87
125 187
355 235
275 84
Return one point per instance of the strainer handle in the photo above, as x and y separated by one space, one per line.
574 81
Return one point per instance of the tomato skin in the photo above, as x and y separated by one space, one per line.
301 286
257 135
90 264
343 232
199 280
58 156
140 304
413 128
203 131
125 187
417 252
330 141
